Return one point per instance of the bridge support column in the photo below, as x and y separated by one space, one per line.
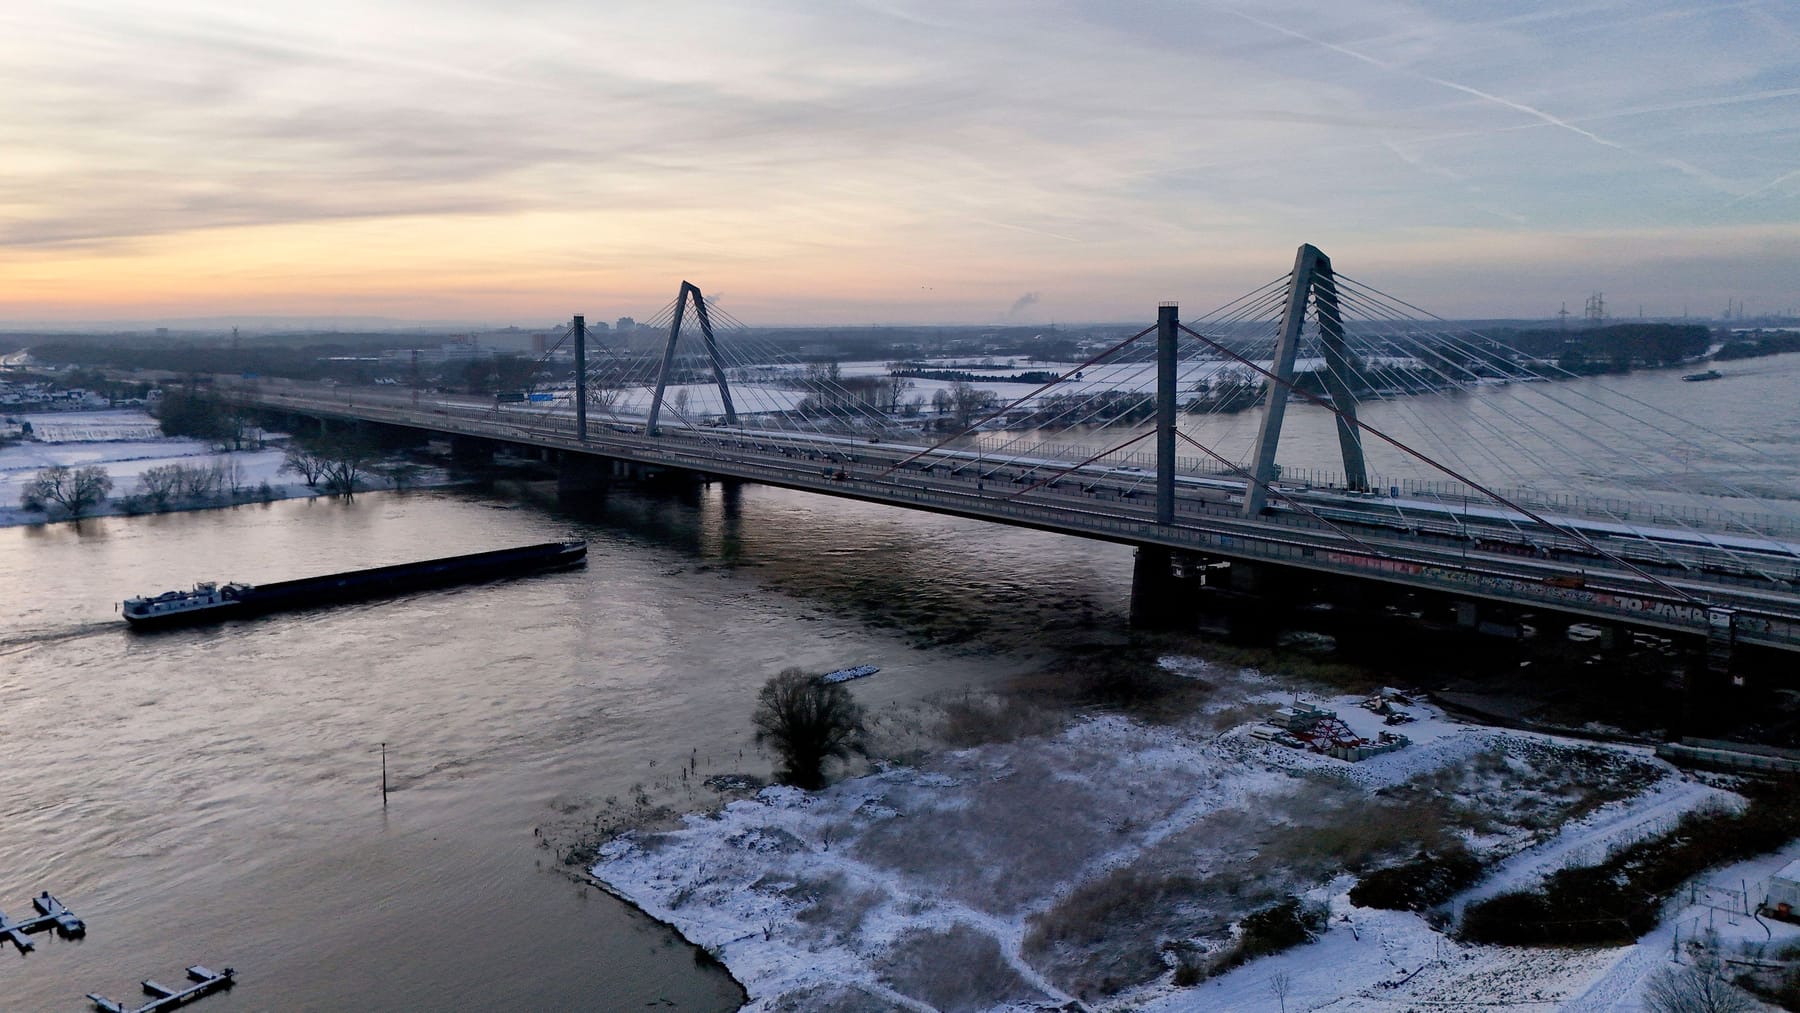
1721 637
1468 615
1257 579
470 452
1155 590
579 477
581 432
1168 322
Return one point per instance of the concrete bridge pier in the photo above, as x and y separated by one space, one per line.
1155 590
579 476
471 452
1259 579
1485 618
1165 587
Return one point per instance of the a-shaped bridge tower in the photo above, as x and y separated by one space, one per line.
1314 284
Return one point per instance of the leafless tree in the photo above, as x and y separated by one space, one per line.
807 722
303 459
1699 987
76 490
231 474
967 403
894 387
1280 985
196 482
157 486
604 388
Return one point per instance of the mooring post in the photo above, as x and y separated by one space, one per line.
1168 321
384 786
580 379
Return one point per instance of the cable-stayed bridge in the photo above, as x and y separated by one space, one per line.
1170 439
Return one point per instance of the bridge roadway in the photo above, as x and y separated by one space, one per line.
1483 555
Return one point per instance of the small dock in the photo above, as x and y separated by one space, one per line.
162 997
51 914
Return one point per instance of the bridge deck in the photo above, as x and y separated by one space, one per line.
1329 532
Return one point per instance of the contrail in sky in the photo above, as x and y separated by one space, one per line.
1478 93
1686 169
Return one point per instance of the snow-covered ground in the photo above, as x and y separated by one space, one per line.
119 442
986 878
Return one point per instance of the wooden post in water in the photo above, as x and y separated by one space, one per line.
384 775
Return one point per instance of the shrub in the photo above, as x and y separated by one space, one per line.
1419 883
1620 899
1278 927
958 970
971 720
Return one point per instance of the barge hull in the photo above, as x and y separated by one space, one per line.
381 581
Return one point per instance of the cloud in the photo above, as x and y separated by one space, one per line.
871 145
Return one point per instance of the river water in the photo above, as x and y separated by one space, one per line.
213 795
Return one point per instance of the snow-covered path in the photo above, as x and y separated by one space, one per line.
799 893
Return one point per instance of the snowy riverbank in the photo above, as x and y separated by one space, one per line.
1087 865
117 441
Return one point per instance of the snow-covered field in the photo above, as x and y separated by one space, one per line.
1075 867
119 441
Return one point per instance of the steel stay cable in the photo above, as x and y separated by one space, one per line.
1270 488
1384 437
1623 396
940 444
1404 405
1053 478
1588 436
1098 405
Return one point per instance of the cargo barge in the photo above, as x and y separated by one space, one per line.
211 602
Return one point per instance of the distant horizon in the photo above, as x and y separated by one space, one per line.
300 325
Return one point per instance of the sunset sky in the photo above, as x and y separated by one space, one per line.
890 161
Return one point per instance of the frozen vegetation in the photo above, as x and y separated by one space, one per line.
127 444
1115 863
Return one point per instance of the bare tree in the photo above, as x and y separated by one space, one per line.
1700 987
305 460
347 456
893 387
157 485
76 490
1280 985
807 722
966 403
604 388
197 482
231 474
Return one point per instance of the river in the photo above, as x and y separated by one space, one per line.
213 795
